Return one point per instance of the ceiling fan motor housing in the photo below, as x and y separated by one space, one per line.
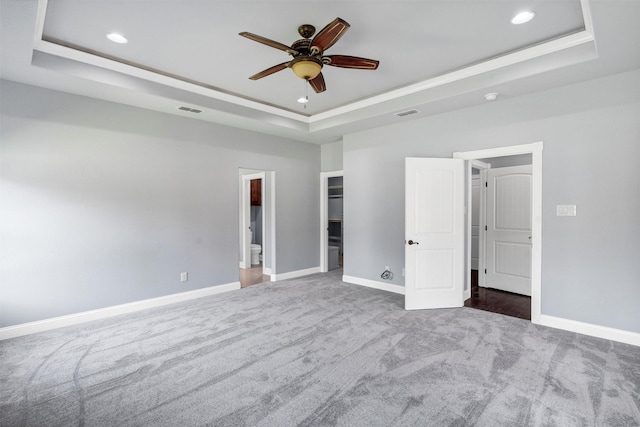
303 46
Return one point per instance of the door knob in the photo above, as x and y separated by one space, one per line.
411 242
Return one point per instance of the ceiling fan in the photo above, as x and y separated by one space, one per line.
308 54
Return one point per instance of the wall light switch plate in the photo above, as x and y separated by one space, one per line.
184 276
566 210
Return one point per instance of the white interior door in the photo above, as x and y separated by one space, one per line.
508 245
434 233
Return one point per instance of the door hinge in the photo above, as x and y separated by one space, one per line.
485 228
486 184
485 271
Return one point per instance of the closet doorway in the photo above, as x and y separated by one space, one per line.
331 221
501 219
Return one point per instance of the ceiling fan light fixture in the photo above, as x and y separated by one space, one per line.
523 17
306 68
307 53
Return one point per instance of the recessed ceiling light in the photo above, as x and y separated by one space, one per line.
117 38
523 17
303 99
491 96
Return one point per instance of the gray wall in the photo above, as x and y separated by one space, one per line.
591 134
104 204
331 159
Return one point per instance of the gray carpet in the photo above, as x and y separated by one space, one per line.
316 351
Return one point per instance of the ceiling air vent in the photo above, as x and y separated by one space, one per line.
406 113
191 110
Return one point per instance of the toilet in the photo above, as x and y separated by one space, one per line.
255 254
255 251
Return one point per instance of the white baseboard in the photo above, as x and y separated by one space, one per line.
295 274
389 287
605 332
612 334
267 271
115 310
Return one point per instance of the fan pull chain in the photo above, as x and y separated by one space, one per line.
304 99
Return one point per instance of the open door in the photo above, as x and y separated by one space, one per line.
509 219
434 233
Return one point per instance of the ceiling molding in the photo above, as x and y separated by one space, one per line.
526 54
576 47
82 57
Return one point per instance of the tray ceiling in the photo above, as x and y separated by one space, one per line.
434 56
198 41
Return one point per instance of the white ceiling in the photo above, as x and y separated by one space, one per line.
434 55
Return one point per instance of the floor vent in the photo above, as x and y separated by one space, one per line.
191 110
406 113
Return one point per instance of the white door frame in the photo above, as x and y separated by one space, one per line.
535 149
267 205
324 217
474 164
244 222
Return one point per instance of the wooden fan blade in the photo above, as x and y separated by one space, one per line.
269 71
329 35
318 83
344 61
268 42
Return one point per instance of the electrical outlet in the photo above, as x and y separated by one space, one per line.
386 267
184 276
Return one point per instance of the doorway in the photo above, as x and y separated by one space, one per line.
438 228
482 160
500 236
257 225
331 221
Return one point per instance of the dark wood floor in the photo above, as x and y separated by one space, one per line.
496 301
